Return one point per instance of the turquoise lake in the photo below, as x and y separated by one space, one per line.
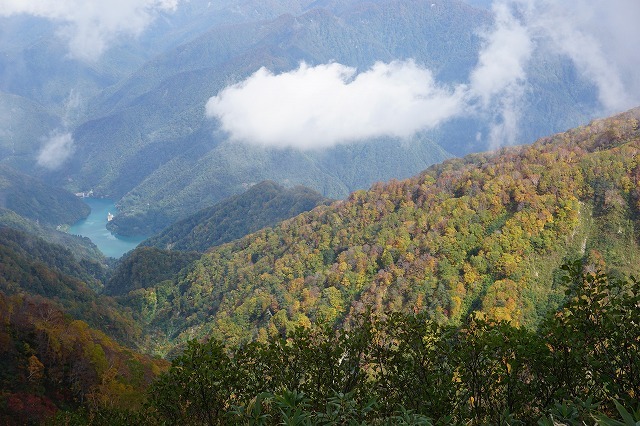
95 228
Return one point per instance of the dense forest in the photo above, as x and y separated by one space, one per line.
264 204
408 369
51 361
33 199
485 233
580 366
33 267
492 289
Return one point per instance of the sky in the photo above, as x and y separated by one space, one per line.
315 107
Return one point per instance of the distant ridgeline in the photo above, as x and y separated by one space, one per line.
483 233
33 199
262 205
159 258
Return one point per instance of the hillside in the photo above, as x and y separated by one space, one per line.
30 205
32 267
146 266
262 205
35 200
51 361
135 118
82 248
486 232
23 123
55 256
151 146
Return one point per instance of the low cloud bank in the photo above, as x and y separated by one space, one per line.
318 107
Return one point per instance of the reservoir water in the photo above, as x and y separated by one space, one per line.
95 228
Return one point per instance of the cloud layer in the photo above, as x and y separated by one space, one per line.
90 26
317 107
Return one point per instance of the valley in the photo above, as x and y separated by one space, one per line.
94 227
328 212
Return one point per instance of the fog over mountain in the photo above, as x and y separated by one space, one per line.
171 106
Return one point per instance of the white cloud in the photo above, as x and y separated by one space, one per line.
56 150
318 107
503 59
314 107
90 26
600 38
500 79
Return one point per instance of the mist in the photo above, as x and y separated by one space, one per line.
91 26
56 150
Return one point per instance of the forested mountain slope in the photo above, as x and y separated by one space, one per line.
35 200
262 205
29 205
51 361
146 266
54 256
31 266
486 232
81 247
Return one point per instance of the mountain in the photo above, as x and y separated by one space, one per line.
81 247
136 117
51 362
29 205
35 200
151 147
31 266
24 125
146 266
262 205
54 256
486 232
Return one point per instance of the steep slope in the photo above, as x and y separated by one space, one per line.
485 232
23 125
262 205
33 267
145 267
38 201
51 361
54 256
82 248
151 145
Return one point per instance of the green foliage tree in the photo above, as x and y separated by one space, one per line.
580 366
